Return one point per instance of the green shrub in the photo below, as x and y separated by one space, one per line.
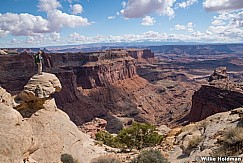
137 136
106 159
150 156
107 139
67 158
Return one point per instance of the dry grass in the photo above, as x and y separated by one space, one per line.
194 142
232 143
106 159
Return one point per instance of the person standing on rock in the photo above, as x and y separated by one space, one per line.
38 61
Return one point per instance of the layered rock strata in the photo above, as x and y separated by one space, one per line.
219 95
78 73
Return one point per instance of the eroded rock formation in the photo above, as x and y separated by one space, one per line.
46 133
219 95
219 73
142 54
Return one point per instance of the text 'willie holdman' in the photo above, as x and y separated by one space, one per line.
218 159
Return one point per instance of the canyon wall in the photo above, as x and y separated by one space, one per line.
78 73
15 71
141 55
216 97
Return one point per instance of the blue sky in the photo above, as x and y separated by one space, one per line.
38 23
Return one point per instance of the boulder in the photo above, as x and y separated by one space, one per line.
40 87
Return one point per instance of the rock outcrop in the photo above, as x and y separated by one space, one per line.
205 138
141 54
218 74
16 133
219 95
46 132
2 52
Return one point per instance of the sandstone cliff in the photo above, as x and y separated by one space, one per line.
219 95
84 77
141 55
15 71
39 131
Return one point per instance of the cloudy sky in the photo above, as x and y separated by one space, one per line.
38 23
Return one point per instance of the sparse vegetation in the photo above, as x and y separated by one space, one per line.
233 136
136 136
67 158
139 136
232 142
150 156
107 139
106 159
194 142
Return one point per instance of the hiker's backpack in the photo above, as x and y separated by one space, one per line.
38 58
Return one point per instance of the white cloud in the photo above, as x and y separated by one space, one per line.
58 19
123 4
76 9
212 34
225 16
189 27
3 33
14 41
29 25
187 3
218 22
227 26
221 5
23 24
180 27
140 8
111 17
36 40
148 21
239 19
48 5
75 37
54 36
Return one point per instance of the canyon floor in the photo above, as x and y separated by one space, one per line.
178 77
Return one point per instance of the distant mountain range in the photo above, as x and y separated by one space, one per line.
179 47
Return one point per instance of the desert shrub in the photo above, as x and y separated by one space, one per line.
194 142
233 136
137 136
108 139
232 142
106 159
150 156
67 158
